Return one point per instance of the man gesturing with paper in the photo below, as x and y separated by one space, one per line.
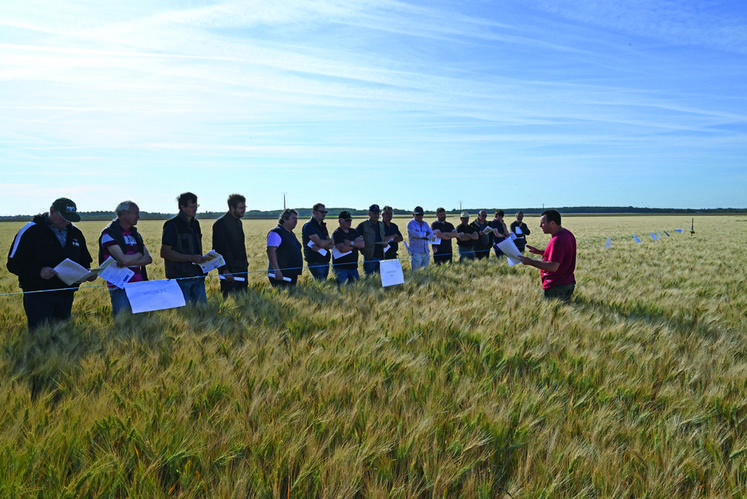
558 259
39 247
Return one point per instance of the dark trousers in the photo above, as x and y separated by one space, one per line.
235 287
440 259
562 293
47 307
284 284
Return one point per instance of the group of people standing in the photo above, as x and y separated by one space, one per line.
51 238
379 240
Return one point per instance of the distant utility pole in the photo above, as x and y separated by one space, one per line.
460 206
283 201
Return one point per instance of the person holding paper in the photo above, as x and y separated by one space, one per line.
316 243
445 231
500 231
284 251
484 235
345 253
558 259
122 241
37 248
374 237
229 242
392 235
181 249
466 237
520 229
419 233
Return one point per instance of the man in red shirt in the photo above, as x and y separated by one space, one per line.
558 258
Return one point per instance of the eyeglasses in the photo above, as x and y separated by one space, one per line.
323 212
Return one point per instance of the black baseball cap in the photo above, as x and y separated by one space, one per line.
345 215
67 209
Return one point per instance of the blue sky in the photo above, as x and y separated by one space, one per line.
492 104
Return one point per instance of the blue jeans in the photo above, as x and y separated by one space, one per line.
193 289
120 303
319 271
419 260
346 275
466 254
370 266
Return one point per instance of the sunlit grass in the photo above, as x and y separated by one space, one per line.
462 382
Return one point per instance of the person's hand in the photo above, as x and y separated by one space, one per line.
532 249
524 259
228 277
47 273
198 259
278 275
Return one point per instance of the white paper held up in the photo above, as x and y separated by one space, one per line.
146 296
391 273
510 250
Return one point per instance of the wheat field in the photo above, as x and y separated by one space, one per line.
460 383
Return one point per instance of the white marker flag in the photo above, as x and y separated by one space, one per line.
636 238
391 273
608 244
653 236
146 296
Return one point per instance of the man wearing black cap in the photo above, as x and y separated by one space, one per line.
345 254
39 247
375 238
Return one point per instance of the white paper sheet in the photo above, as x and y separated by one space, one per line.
71 272
510 250
114 274
235 278
214 260
321 251
434 240
338 254
146 296
391 273
518 230
272 276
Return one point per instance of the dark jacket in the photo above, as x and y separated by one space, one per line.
36 246
115 232
188 242
372 251
289 253
228 240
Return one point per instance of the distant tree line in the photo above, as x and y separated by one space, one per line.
306 212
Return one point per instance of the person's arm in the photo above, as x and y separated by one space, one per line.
396 237
169 253
20 258
221 246
546 266
272 256
327 244
534 250
126 260
414 232
358 242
